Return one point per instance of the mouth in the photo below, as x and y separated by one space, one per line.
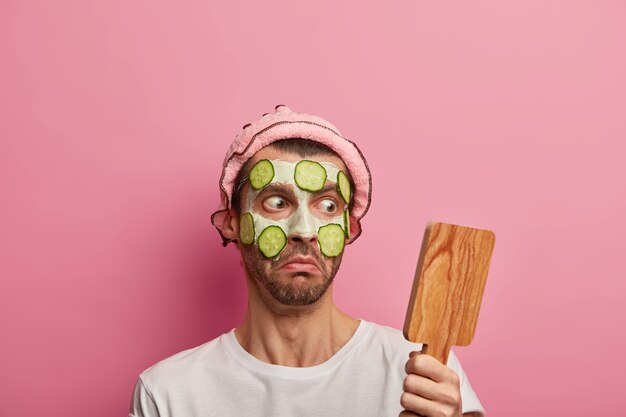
300 264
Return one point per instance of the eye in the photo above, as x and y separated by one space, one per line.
327 205
274 203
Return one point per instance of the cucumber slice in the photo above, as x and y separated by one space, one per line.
343 186
246 229
271 241
331 239
310 175
346 222
261 174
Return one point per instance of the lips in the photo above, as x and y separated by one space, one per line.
300 263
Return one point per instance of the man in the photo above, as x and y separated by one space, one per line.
293 193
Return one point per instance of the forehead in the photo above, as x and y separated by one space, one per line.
272 153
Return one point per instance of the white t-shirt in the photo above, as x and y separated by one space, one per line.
219 378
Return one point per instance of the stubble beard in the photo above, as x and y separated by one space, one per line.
266 272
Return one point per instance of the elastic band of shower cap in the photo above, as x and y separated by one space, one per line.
286 124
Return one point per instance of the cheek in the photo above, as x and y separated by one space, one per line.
249 256
254 258
251 253
333 263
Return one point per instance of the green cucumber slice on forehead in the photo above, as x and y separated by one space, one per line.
331 239
310 175
261 174
343 186
246 229
271 241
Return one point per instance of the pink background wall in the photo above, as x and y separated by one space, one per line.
115 116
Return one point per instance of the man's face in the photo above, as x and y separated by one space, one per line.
300 274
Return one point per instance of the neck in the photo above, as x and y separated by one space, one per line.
294 335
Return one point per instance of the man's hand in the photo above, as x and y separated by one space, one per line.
430 388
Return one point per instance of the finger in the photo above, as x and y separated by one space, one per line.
429 367
414 352
422 386
406 413
417 404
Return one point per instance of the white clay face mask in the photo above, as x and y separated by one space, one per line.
305 178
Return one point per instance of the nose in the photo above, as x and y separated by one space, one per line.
300 238
302 226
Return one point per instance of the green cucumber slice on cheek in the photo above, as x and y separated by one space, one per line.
343 186
310 175
346 222
331 239
271 241
261 174
246 229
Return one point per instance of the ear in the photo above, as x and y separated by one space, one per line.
231 225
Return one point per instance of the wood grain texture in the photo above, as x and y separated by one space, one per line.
448 287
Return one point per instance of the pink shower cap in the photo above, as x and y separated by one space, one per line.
285 124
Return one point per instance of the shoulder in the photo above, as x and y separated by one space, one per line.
387 343
391 339
186 364
390 335
395 345
396 349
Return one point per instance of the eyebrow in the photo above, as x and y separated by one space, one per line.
288 189
277 187
327 188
